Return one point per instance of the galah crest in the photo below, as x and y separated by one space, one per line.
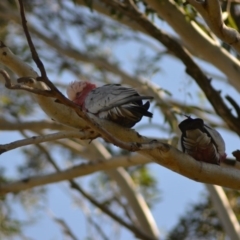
201 141
112 102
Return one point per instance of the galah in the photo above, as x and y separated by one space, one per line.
112 102
201 141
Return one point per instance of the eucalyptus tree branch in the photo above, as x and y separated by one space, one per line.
43 138
74 146
70 173
184 164
128 8
91 119
189 30
161 153
6 125
224 211
165 155
212 14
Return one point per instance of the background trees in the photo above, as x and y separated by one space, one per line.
162 48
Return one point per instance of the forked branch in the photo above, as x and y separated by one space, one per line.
212 14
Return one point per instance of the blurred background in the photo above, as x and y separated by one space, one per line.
99 41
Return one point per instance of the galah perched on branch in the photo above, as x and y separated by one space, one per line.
112 102
201 141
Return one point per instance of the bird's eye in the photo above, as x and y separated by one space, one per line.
78 94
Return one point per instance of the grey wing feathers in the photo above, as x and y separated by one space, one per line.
217 138
119 104
125 101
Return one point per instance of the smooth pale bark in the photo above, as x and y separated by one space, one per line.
197 41
161 153
224 211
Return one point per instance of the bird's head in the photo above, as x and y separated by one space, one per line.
191 124
76 89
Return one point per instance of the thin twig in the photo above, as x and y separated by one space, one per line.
234 104
9 85
6 125
44 138
30 42
65 227
98 228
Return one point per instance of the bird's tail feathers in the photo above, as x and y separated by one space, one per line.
142 110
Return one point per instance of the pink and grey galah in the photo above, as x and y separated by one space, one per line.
201 141
112 102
